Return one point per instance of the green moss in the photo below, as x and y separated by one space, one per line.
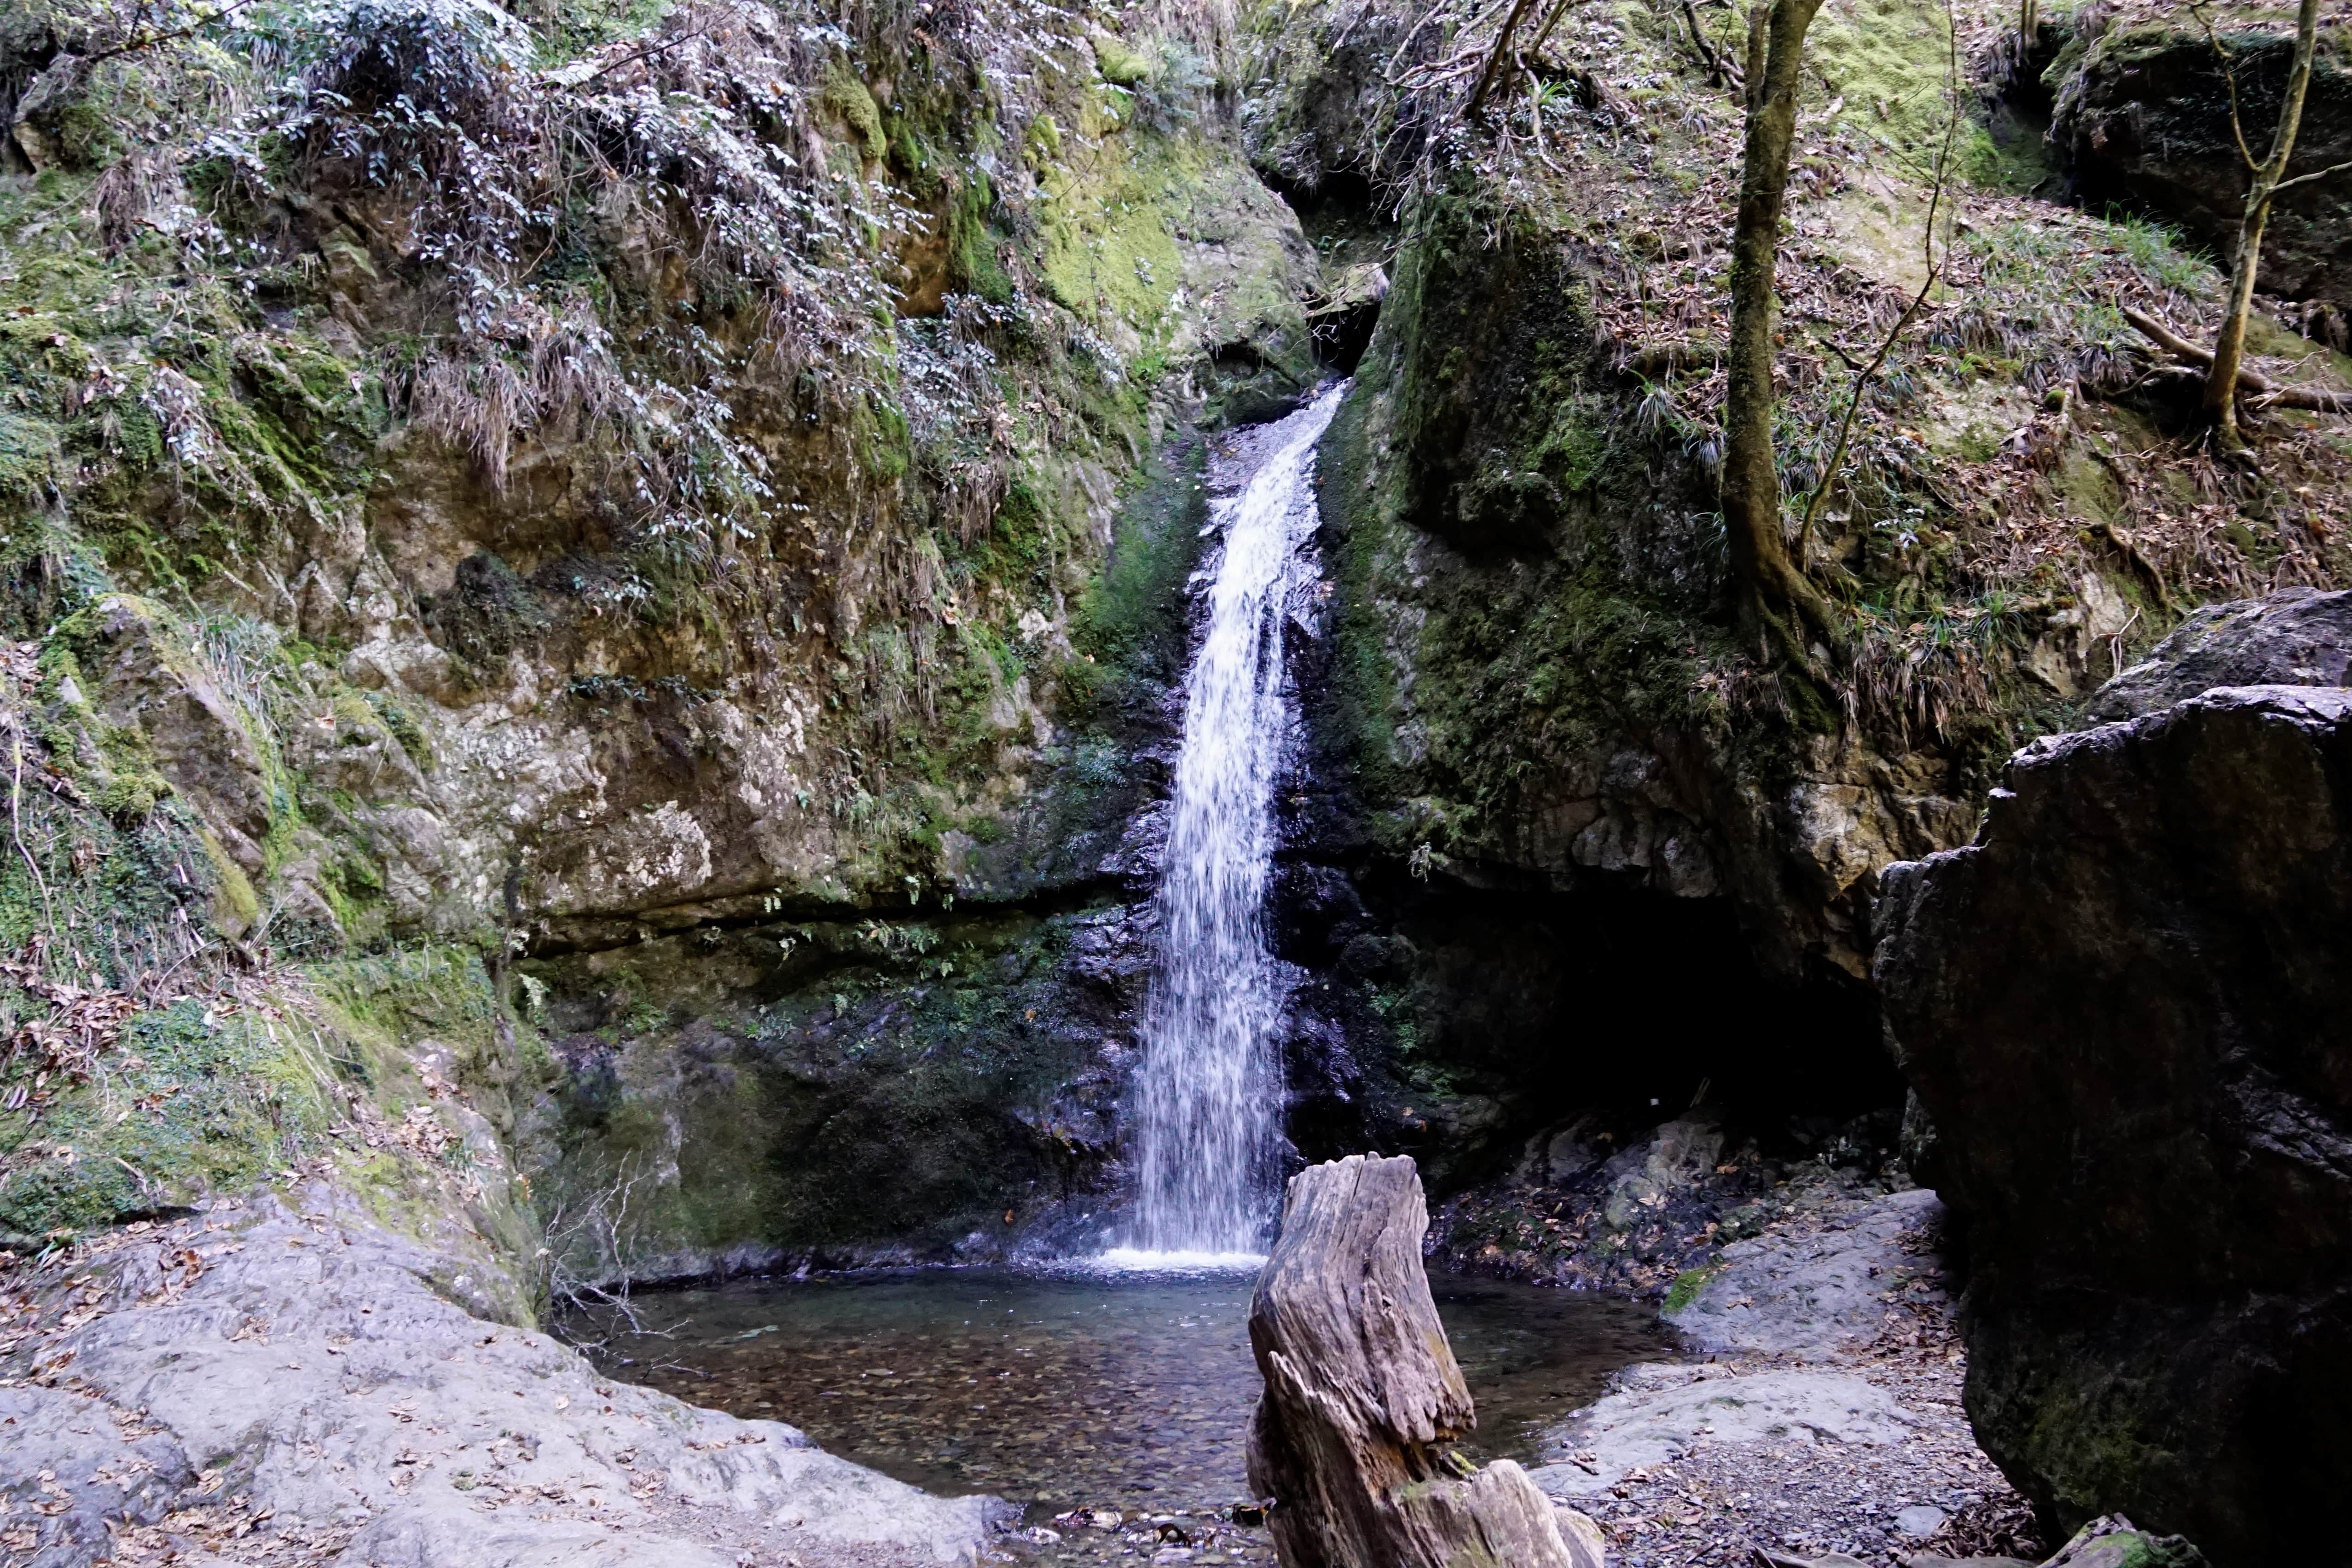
1686 1286
432 991
974 265
1041 142
1128 627
396 717
1119 64
29 459
1109 219
195 1102
847 96
890 1081
1888 59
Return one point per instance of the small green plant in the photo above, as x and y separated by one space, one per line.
2162 255
1686 1286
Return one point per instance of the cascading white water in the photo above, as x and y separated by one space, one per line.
1208 1092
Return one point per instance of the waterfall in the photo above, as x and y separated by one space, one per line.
1208 1107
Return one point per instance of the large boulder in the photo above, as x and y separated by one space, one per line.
2296 637
2141 120
2128 1008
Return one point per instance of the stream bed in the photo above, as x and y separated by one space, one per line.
1097 1402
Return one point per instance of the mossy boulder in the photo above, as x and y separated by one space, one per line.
831 1091
1120 66
2143 121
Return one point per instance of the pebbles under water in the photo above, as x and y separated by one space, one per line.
1104 1393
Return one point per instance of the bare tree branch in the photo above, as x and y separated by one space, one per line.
1494 59
2307 179
2271 394
149 42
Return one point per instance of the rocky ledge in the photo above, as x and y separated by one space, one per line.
1818 1417
2127 1012
293 1384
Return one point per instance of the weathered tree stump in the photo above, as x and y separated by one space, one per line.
1362 1395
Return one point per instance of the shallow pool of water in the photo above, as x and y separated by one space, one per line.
1062 1391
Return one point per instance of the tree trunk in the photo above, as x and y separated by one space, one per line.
1362 1395
1772 586
2221 402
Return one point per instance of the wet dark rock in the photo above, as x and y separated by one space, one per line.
2127 1010
839 1092
1654 1213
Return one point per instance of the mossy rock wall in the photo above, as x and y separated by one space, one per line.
2142 120
456 545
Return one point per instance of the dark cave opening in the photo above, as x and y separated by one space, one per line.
1340 218
1531 1006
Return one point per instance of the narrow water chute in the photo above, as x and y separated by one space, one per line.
1208 1106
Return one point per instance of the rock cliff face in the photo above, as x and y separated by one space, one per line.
699 520
2125 1009
2142 118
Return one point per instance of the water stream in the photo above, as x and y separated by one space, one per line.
1112 1396
1208 1100
1081 1390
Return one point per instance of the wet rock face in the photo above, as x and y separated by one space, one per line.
2125 1009
842 1093
2142 119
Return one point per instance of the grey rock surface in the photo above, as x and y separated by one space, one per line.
1657 1412
2296 637
1920 1522
1817 1288
304 1381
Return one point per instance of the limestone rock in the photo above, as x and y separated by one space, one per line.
1655 1412
147 679
315 1373
1362 1393
2126 1009
1814 1292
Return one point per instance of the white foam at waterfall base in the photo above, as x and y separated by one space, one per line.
1208 1102
1138 1260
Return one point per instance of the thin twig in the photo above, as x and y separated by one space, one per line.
2307 179
650 50
17 830
1720 70
1387 72
191 30
1543 34
2237 126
